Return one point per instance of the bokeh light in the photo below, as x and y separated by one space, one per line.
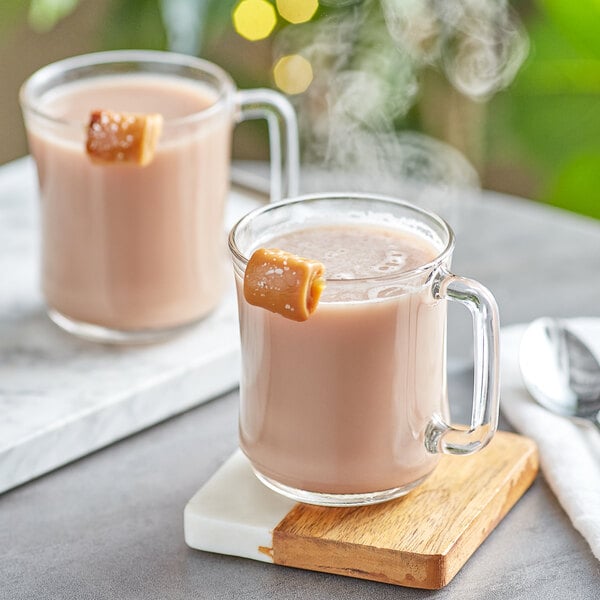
293 74
297 11
254 19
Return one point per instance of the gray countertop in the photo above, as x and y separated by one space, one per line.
110 525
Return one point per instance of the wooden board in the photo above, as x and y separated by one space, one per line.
421 540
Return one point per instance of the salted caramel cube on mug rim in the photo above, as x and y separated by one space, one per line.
123 138
284 283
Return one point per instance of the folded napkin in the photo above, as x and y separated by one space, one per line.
569 452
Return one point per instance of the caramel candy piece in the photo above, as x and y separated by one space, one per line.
114 137
284 283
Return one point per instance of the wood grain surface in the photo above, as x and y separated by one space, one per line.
420 540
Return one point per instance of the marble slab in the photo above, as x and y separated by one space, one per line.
234 513
61 397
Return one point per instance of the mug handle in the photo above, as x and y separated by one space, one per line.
283 127
440 437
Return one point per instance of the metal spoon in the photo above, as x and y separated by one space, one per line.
560 371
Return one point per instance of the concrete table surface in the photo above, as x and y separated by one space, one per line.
111 524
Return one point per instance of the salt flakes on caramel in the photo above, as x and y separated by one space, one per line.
284 283
114 137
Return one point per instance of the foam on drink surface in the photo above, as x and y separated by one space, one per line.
365 257
172 97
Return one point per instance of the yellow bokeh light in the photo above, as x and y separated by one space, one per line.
254 19
293 74
297 11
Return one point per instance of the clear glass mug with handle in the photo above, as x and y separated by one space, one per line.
132 253
349 407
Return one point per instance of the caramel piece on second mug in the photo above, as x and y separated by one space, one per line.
284 283
114 137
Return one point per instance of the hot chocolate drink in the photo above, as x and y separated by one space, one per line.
131 247
340 403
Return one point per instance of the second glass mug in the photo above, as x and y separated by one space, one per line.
132 253
350 407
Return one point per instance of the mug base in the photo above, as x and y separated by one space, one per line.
106 335
339 500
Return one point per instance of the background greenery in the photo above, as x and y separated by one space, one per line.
539 138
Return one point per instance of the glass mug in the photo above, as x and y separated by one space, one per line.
350 406
133 253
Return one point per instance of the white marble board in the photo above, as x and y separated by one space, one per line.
62 398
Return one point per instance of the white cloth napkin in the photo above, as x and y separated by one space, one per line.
569 452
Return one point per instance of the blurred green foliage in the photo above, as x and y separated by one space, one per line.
42 15
135 24
545 125
550 116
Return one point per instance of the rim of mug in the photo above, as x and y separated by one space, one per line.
240 257
32 103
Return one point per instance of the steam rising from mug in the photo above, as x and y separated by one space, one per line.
366 58
480 44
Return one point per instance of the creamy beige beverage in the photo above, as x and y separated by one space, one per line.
339 403
132 247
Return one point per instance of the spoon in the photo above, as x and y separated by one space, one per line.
560 371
